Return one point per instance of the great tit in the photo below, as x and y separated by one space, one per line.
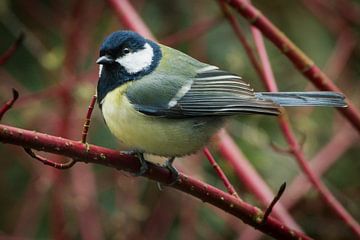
160 101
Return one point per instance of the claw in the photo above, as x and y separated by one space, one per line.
174 172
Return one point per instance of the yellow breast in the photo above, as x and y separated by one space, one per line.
154 135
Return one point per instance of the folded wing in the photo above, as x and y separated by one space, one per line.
212 92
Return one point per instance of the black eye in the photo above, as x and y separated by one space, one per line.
126 51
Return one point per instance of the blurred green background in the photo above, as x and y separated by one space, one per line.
94 202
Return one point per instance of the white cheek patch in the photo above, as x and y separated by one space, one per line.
100 69
137 61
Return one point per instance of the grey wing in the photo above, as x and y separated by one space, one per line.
211 92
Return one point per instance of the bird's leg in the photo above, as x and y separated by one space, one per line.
173 171
144 165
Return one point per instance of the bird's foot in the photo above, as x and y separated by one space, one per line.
144 165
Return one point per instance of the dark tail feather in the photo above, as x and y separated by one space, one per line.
295 99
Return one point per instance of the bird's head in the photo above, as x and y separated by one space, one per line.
130 52
125 56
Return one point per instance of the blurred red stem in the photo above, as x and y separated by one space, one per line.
11 50
112 158
301 61
241 36
194 31
189 216
128 16
349 10
75 39
345 44
344 138
30 214
296 147
315 180
269 79
250 178
159 222
230 151
326 15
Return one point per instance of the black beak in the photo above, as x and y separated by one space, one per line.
106 59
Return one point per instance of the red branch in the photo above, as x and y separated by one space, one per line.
112 158
11 50
301 61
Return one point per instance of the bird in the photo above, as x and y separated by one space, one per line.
158 100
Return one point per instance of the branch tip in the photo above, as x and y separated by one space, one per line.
15 94
273 202
9 103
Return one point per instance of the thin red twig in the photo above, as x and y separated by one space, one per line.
88 119
50 163
9 103
220 173
107 157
